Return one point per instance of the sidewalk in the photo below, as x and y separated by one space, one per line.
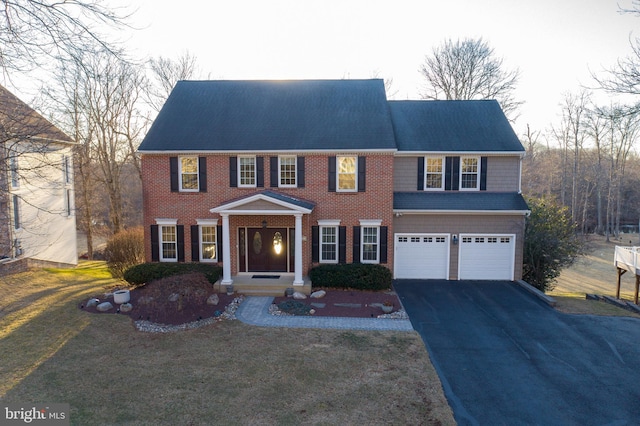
255 311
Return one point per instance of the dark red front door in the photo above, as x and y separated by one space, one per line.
267 249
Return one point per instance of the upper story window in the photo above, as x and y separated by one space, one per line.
347 173
287 171
434 173
469 173
15 176
247 171
188 174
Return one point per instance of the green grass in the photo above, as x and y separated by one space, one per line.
227 373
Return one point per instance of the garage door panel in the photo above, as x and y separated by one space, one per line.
424 256
486 257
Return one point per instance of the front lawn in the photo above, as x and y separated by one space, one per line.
226 373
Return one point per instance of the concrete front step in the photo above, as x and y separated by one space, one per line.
264 287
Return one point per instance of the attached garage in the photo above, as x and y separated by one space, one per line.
486 257
422 256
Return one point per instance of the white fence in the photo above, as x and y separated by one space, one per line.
627 258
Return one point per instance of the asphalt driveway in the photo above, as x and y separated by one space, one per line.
506 358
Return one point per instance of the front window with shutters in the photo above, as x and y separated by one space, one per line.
347 174
434 173
168 243
287 171
370 244
247 171
329 244
188 174
208 249
469 173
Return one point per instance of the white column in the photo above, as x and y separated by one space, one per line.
297 279
226 251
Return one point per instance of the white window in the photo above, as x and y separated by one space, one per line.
370 241
247 171
168 243
328 244
287 167
434 173
188 174
347 174
208 241
15 176
469 173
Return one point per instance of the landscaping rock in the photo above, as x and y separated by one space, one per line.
126 307
213 300
299 296
145 300
173 297
318 294
104 306
318 305
92 302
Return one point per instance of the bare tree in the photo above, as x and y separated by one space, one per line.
166 73
34 31
469 69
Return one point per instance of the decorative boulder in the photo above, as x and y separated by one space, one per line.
173 297
213 299
298 295
104 307
318 294
92 302
126 307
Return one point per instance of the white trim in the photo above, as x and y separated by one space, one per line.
295 171
229 208
512 242
161 257
370 222
165 221
329 225
442 173
255 172
180 173
329 222
207 222
448 240
478 172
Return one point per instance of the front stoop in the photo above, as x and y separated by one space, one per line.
248 286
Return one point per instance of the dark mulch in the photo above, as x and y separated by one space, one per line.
151 301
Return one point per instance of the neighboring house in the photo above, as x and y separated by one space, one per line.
271 177
37 218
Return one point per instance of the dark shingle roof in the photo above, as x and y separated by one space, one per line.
21 122
289 199
452 126
459 201
273 115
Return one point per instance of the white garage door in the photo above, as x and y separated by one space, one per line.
424 256
487 257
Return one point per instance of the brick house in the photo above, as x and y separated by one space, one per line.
37 214
270 178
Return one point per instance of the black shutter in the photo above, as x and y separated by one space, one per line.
384 246
155 244
273 171
219 242
173 171
483 173
420 173
362 174
260 172
233 172
202 173
332 174
356 244
452 173
180 238
342 244
300 172
315 244
195 244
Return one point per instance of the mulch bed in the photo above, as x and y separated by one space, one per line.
151 301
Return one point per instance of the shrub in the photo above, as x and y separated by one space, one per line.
124 249
141 274
357 276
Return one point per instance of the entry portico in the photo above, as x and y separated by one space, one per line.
266 203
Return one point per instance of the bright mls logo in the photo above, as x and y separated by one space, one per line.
42 415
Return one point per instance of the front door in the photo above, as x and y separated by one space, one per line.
267 249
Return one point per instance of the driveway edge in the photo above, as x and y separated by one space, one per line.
540 295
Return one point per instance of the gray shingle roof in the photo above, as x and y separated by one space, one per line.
460 201
289 199
273 115
452 126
